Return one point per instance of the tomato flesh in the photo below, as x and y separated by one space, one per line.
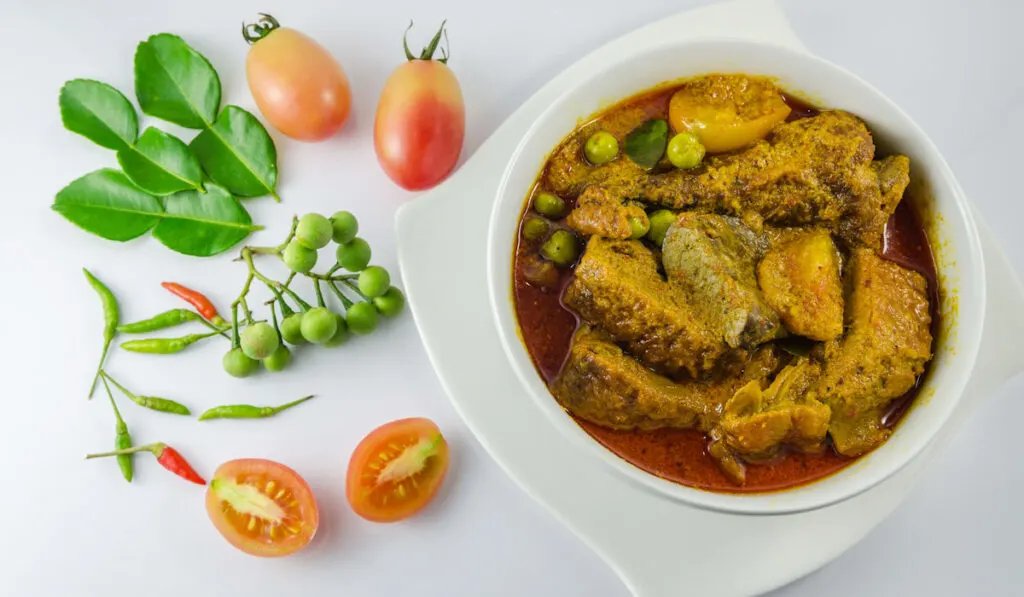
261 507
397 470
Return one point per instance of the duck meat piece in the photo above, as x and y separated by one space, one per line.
601 384
865 222
711 259
597 213
885 349
617 287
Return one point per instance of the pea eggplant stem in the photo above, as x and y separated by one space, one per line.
355 288
344 299
286 309
326 277
298 299
319 293
122 440
163 405
248 411
235 341
273 317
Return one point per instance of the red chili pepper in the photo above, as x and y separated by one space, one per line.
176 463
197 300
168 457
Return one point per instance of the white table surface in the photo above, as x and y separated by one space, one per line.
75 528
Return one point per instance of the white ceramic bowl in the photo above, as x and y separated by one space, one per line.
952 230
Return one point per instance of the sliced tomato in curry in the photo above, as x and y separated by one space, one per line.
261 507
397 470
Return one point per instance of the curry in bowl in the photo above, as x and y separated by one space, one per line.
725 286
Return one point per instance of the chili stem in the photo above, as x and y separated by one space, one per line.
221 331
278 409
99 368
133 450
124 390
117 412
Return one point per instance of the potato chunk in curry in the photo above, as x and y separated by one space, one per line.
727 112
800 280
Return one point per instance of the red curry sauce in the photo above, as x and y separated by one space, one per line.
680 455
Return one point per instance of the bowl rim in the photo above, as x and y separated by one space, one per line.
499 278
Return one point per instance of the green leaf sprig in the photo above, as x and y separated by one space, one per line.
646 144
187 194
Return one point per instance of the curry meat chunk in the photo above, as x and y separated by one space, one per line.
756 422
596 213
866 219
711 259
886 347
618 288
800 280
601 384
811 170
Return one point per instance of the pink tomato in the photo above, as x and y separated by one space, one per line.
421 120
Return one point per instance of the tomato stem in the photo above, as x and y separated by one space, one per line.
253 32
431 48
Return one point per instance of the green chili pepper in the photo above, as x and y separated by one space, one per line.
111 316
247 411
151 402
122 441
166 320
164 345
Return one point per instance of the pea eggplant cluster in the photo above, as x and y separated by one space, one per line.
256 342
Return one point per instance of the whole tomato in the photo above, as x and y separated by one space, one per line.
298 86
421 119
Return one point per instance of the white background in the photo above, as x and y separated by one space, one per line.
75 528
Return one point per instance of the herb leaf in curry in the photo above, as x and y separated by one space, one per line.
646 144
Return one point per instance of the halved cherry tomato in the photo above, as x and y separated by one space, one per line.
298 86
421 120
396 470
261 507
727 112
